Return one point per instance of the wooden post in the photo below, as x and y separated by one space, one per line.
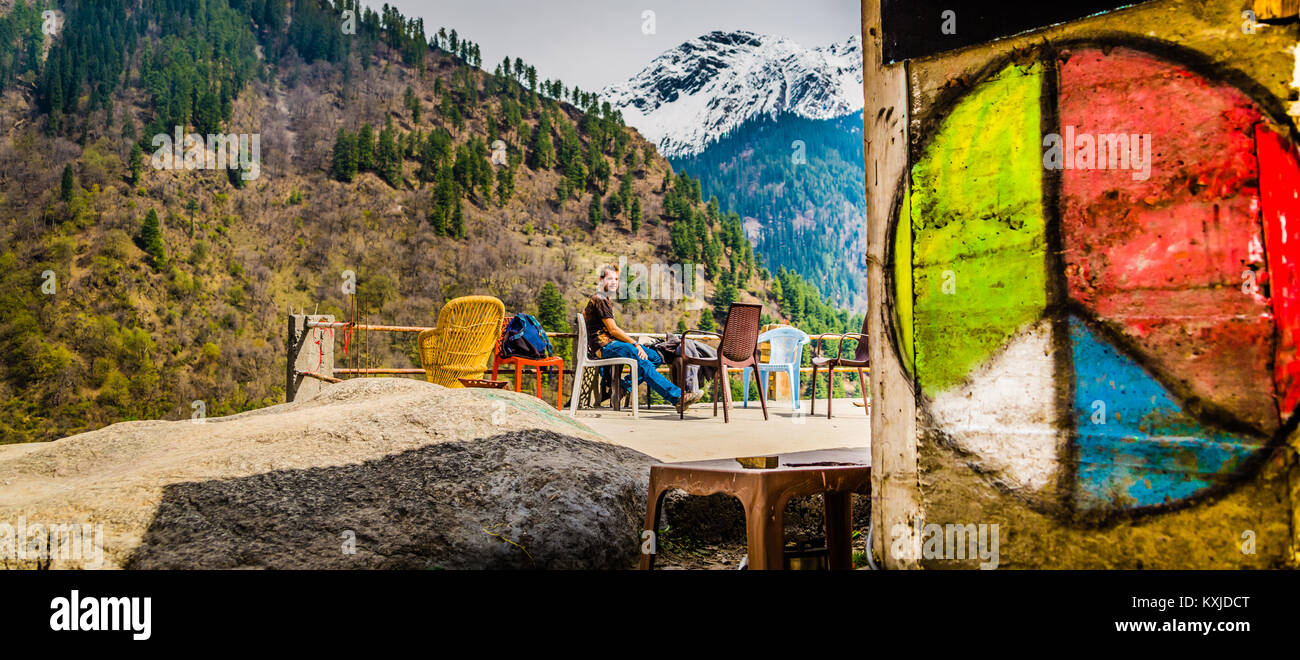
308 349
895 499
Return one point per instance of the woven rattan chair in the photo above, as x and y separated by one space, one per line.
738 348
861 360
460 346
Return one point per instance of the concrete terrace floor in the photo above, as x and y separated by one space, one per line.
659 433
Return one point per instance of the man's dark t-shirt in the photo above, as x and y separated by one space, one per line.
593 315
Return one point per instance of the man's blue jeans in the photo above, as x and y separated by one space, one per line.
646 368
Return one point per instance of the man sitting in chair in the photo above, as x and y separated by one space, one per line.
607 340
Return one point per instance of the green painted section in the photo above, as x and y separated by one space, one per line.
903 286
978 228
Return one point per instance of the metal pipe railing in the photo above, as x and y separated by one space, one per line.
328 379
381 370
367 326
558 335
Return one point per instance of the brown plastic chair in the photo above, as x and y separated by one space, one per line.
861 360
738 348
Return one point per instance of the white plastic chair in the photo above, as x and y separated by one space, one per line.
583 361
785 353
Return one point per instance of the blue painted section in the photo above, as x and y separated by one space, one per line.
1148 451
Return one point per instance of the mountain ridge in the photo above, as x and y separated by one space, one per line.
773 130
692 95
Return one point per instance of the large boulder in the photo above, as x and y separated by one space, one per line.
370 473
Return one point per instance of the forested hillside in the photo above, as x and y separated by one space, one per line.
131 288
802 180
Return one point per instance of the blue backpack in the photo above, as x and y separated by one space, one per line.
525 338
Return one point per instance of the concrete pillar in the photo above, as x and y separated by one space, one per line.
308 349
895 495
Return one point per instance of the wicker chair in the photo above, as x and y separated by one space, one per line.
460 346
738 348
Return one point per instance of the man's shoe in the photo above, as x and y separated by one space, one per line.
684 402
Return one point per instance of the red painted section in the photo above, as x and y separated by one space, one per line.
1279 185
1162 260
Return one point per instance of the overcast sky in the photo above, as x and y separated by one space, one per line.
597 42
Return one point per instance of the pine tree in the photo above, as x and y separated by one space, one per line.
551 310
345 157
625 191
207 113
365 149
563 191
706 320
593 211
150 240
438 218
445 197
723 297
598 169
505 185
541 155
635 214
457 228
69 184
575 177
482 169
462 169
388 158
136 163
413 104
235 175
712 252
683 242
614 204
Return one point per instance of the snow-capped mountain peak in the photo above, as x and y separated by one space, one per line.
690 96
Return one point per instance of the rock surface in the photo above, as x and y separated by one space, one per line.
420 475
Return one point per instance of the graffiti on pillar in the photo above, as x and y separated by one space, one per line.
1093 281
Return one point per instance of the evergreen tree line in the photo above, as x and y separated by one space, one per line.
200 54
203 55
587 149
760 172
20 43
456 173
705 235
803 304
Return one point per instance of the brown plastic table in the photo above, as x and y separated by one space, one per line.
834 473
